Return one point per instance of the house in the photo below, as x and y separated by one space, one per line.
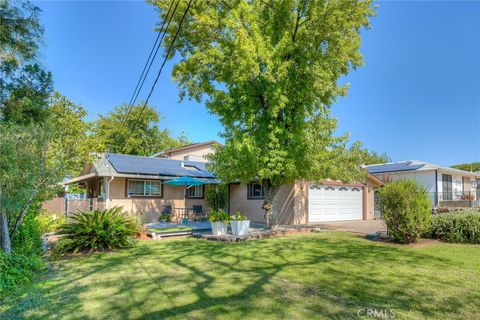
304 202
192 152
136 183
446 187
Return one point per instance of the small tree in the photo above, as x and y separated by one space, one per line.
269 70
406 209
217 197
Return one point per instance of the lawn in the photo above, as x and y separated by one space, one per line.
326 275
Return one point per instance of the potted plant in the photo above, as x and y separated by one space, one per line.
219 220
239 224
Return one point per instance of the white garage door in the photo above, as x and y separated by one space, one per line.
334 203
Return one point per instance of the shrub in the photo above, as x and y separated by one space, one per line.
165 217
217 197
406 209
238 217
49 222
17 269
456 227
218 216
27 240
97 230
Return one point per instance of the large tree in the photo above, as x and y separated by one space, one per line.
269 70
138 133
24 86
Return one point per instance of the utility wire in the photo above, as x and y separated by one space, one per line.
159 72
148 63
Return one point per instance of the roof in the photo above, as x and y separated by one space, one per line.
412 165
127 166
188 146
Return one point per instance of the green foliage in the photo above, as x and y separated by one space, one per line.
71 144
49 222
456 227
27 240
97 230
238 217
218 216
165 217
473 167
406 209
270 73
143 133
217 196
24 85
17 270
372 157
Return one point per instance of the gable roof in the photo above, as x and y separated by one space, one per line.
411 165
186 147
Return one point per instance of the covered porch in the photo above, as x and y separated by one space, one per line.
149 198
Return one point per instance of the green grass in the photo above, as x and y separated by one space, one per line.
172 229
316 276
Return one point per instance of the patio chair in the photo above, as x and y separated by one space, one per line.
198 213
166 214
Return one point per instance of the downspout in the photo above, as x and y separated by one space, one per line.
107 195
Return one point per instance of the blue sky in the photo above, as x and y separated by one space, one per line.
417 97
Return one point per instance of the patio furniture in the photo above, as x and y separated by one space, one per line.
198 213
166 213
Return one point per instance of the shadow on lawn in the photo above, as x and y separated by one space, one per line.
303 276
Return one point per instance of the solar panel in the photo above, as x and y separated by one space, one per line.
393 167
157 166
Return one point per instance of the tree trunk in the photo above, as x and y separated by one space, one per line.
5 235
271 218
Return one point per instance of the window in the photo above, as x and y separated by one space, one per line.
101 190
255 191
144 188
447 187
195 192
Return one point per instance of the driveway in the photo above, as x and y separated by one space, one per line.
357 226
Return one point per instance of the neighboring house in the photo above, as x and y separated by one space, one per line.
446 187
192 152
136 184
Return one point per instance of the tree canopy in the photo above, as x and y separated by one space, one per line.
24 86
269 70
473 166
373 157
138 135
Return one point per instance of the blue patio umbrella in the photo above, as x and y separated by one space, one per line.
187 182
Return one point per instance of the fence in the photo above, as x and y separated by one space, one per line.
68 205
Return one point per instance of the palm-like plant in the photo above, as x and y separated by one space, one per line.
97 230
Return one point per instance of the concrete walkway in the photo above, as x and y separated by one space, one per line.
357 226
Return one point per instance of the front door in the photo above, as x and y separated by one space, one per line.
447 187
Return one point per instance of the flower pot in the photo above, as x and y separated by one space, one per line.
240 228
219 228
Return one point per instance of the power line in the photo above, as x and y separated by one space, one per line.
149 63
160 71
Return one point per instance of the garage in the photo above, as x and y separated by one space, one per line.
334 203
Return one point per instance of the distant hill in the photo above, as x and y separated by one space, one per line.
474 166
